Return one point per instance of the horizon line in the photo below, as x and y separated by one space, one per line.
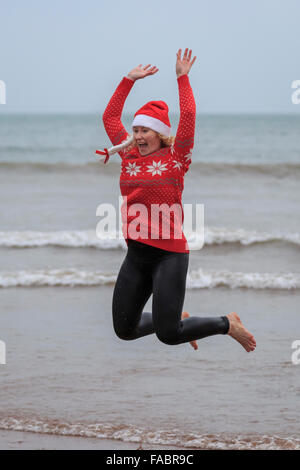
93 113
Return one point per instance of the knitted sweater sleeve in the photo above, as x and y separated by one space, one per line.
184 141
113 112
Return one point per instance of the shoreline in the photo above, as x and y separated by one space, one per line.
21 440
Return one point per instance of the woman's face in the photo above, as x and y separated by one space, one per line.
147 140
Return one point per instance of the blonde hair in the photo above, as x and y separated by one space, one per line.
165 141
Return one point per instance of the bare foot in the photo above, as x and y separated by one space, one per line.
192 343
238 332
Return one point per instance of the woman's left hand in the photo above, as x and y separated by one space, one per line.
183 66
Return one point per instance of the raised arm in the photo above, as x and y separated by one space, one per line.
113 112
184 141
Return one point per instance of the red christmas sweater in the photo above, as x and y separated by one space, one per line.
152 185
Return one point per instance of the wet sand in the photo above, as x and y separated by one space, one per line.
18 440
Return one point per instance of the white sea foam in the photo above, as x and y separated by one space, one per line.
197 279
68 165
115 240
71 239
219 235
129 433
55 277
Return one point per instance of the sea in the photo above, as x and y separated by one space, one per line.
65 371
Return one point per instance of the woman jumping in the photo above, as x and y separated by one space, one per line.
153 168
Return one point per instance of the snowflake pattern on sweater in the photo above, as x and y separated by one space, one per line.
133 169
156 179
157 168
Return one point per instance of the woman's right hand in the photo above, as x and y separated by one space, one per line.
141 72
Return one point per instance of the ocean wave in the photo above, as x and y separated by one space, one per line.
132 434
70 239
60 167
196 279
37 149
274 169
55 277
220 235
115 240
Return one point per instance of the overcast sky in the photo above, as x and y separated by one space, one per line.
69 55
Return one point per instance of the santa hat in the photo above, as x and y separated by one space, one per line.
153 115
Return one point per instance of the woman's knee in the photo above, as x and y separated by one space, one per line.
170 337
125 334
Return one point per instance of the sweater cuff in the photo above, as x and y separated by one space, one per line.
183 79
129 83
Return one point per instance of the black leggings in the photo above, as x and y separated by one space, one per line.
148 270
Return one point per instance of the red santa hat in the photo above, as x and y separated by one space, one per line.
154 115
